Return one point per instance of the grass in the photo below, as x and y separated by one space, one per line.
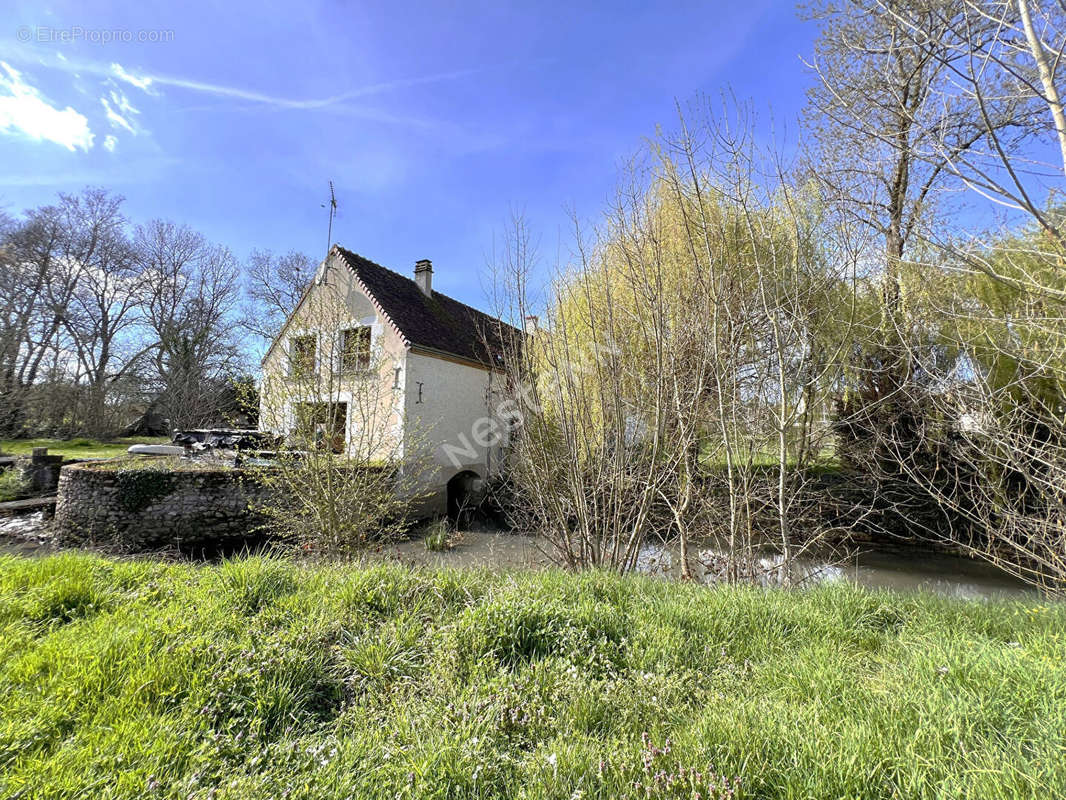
164 463
78 448
439 536
765 459
263 678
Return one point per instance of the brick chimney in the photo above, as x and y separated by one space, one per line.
424 276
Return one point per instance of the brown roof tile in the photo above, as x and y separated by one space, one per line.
438 322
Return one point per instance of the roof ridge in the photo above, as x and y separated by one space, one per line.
346 252
448 325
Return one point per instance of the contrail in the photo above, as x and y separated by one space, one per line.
147 80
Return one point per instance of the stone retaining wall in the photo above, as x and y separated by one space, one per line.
151 507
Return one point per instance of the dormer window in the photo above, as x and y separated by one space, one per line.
355 349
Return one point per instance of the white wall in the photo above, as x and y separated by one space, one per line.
454 424
455 419
334 302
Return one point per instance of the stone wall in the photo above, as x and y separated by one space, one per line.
152 507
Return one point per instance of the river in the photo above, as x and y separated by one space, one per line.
898 569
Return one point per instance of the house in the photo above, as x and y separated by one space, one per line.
378 363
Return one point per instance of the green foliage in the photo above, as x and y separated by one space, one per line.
12 484
438 536
244 404
270 678
139 487
1014 339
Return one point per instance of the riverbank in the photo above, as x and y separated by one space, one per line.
267 678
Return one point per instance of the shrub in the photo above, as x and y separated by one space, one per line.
891 438
12 484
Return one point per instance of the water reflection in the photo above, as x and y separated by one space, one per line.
22 535
898 569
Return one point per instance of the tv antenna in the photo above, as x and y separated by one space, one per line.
332 212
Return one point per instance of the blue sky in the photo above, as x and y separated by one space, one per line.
433 120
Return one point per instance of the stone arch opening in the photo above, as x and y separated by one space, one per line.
464 493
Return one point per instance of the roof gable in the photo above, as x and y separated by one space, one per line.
439 323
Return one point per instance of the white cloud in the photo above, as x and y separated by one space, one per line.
116 119
110 142
123 103
119 102
23 110
141 82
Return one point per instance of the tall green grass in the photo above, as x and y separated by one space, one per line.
262 678
78 448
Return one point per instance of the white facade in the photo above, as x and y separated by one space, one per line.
444 406
451 410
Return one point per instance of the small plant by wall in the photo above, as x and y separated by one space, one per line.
439 536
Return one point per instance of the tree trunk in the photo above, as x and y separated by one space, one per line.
1051 92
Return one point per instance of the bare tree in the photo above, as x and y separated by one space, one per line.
192 290
73 306
274 285
32 307
1002 62
96 323
105 304
977 428
888 119
765 253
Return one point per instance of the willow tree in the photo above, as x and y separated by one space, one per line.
680 353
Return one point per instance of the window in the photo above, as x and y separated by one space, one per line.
355 349
320 426
302 356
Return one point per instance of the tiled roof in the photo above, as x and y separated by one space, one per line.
438 322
